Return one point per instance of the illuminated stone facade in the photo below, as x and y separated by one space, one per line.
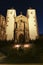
2 28
32 22
10 19
21 28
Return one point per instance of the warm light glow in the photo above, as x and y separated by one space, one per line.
17 46
27 45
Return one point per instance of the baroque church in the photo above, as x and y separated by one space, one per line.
21 28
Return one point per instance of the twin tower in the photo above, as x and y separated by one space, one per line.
21 28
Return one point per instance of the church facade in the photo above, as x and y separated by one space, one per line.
21 28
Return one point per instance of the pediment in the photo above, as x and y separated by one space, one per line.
21 17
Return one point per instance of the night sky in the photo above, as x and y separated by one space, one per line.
23 5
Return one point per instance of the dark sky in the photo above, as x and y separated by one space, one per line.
23 5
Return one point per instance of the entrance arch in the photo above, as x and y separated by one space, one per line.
21 38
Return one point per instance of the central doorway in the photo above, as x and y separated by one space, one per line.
21 38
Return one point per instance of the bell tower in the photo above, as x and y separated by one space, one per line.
32 22
11 14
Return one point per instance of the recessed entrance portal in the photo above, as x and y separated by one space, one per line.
21 38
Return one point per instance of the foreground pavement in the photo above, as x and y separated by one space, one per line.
32 54
21 64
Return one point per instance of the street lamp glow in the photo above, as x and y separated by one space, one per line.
17 46
27 45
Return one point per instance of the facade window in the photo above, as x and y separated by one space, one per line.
34 21
31 12
7 17
34 25
21 20
34 17
11 12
